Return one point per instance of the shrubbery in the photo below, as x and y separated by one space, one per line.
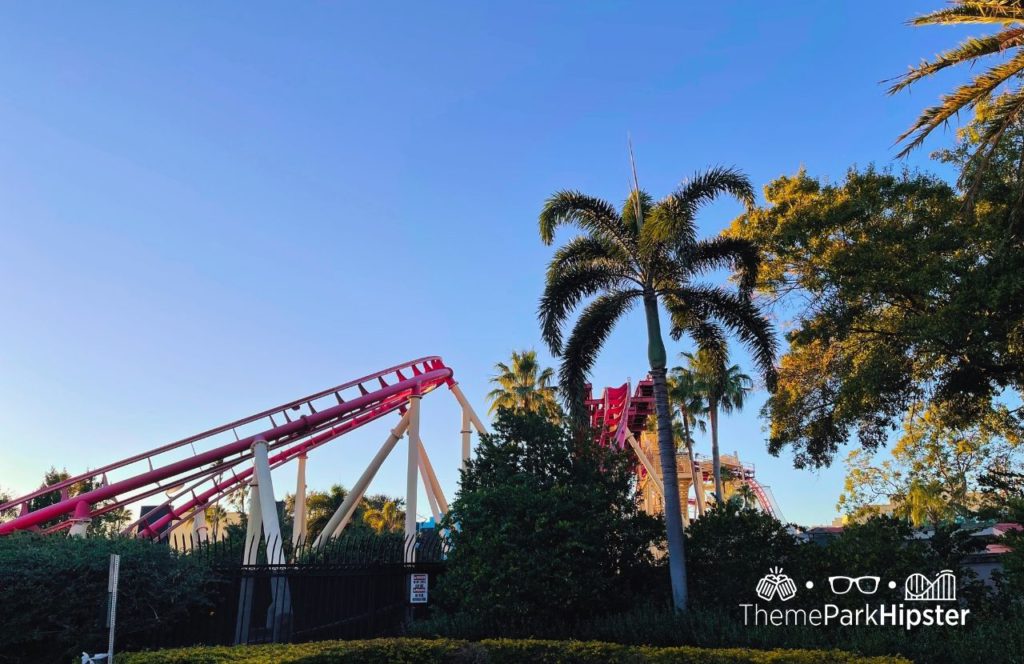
54 594
544 527
492 651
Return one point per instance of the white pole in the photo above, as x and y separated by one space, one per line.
249 556
457 391
299 526
280 594
410 476
200 531
648 466
80 520
430 478
344 513
465 437
268 507
115 573
253 524
431 498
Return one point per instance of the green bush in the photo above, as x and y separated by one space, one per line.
54 594
492 651
545 526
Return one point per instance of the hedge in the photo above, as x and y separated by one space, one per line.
488 651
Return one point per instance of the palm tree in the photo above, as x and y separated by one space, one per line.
386 518
726 389
522 385
985 87
648 253
687 395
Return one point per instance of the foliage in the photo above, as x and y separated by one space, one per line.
545 526
730 548
899 295
649 253
386 518
55 591
495 651
936 468
109 524
994 91
523 385
321 505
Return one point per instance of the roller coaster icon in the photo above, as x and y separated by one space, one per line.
918 588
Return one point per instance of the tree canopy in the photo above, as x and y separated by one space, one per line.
897 293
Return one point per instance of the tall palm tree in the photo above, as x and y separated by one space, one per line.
726 388
687 395
991 85
649 254
523 385
386 518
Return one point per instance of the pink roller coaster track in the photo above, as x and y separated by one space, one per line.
617 413
200 470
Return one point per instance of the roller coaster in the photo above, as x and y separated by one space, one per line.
202 470
620 415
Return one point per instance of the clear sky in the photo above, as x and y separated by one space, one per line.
207 209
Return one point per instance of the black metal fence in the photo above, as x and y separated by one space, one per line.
351 587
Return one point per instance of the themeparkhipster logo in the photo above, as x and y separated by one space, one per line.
917 588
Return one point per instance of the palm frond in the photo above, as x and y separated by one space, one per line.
740 316
591 214
588 335
629 210
564 290
970 49
738 254
673 218
966 11
963 98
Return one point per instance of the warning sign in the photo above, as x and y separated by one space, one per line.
418 589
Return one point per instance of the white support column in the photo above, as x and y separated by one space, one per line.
648 466
465 437
344 513
410 476
457 391
430 479
431 498
279 612
271 524
299 530
200 531
80 520
254 523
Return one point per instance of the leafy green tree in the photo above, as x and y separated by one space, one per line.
545 527
935 471
523 384
725 390
649 254
110 523
388 518
9 513
730 548
686 395
898 295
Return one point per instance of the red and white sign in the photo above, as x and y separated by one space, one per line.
418 589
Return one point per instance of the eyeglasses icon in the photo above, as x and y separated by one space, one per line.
867 585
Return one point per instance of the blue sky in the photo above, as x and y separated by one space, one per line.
206 210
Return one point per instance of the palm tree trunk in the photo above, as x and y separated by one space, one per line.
694 477
716 461
667 455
